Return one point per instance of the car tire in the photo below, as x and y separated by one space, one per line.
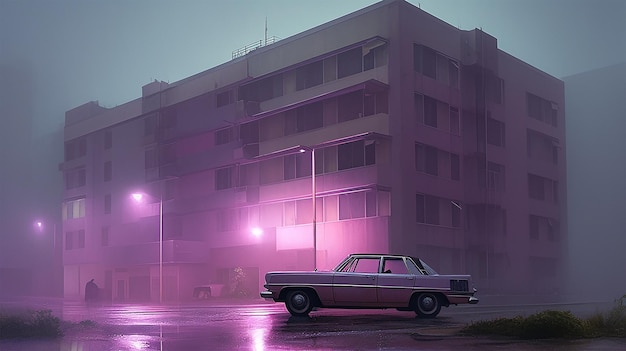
298 303
427 305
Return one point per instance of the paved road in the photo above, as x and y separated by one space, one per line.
259 326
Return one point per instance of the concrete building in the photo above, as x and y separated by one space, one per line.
425 140
596 166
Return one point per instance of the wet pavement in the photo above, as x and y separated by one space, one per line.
258 325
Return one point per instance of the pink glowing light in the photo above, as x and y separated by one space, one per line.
256 231
137 197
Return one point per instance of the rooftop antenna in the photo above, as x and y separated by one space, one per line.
265 30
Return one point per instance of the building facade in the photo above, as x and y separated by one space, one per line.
422 139
597 182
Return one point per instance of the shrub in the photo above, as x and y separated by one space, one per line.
556 324
500 326
37 324
552 324
612 324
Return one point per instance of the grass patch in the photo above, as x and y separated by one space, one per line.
556 324
32 324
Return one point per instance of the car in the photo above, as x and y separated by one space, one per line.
402 282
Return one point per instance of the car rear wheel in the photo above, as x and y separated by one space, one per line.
427 305
298 303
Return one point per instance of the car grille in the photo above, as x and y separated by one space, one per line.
459 285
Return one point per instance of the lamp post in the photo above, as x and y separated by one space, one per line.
138 197
314 201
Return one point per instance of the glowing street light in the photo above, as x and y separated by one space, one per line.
39 226
138 197
256 231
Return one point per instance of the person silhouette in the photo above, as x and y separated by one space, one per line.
91 291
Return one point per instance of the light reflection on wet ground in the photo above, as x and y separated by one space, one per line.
224 325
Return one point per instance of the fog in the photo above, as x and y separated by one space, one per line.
56 55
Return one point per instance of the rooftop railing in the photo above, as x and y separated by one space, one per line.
253 46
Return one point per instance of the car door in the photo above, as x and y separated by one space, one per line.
355 286
395 283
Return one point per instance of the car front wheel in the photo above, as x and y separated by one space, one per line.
427 305
298 303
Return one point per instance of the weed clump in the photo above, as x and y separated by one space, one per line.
556 324
35 324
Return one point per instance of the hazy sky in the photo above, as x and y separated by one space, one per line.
81 50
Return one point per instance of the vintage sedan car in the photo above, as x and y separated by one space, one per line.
371 281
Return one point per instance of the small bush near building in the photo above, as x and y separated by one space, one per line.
555 324
37 324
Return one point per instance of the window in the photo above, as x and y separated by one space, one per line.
310 117
75 149
495 132
541 109
104 236
542 147
69 240
394 266
431 209
351 155
435 65
455 212
495 176
107 204
455 121
151 159
352 205
263 89
310 75
536 187
75 178
427 209
74 209
540 188
349 62
223 136
227 220
366 265
223 178
540 227
350 106
108 171
297 165
430 112
426 159
108 139
455 167
224 98
81 239
304 211
374 57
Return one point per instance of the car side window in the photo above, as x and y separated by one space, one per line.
413 268
367 265
394 266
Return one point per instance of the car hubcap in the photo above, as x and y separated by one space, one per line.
428 303
299 301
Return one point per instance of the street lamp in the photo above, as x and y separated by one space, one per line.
138 198
39 225
313 200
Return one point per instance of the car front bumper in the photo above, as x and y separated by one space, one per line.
267 294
